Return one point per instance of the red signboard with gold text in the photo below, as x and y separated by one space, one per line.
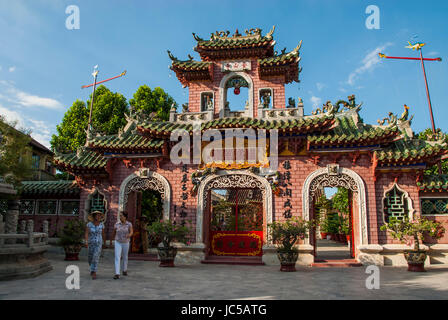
237 243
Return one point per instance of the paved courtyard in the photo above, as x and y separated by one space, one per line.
148 281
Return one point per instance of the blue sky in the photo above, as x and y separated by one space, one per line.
43 64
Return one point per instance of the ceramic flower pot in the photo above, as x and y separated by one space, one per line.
72 252
166 256
287 260
323 235
416 260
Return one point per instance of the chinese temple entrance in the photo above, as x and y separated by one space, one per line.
236 222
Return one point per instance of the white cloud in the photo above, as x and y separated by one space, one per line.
315 101
11 115
369 63
320 86
10 93
12 69
40 130
433 53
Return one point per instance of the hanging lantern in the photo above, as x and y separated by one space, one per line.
236 90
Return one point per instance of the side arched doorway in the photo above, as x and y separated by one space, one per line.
334 176
234 208
146 198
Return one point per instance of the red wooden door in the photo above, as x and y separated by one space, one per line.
236 222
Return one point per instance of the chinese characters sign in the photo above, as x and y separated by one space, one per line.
236 65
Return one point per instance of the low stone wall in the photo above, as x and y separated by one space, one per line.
392 254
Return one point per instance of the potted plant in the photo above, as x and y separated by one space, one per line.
286 234
168 231
324 228
345 230
71 238
414 231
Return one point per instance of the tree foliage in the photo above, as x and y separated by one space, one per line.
340 200
149 101
15 153
71 133
107 117
427 134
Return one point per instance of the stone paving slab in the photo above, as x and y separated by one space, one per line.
148 281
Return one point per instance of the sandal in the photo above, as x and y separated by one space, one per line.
116 276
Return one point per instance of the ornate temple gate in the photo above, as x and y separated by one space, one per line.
235 214
145 180
334 176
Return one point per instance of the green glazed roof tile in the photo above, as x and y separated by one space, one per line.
60 187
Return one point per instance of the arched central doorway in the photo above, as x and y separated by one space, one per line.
234 209
334 176
146 198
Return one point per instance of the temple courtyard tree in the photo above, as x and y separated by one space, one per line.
107 117
149 101
15 153
439 135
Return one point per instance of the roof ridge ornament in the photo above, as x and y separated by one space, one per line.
296 49
171 56
197 38
270 33
391 120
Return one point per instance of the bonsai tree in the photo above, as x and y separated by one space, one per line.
287 233
407 231
72 233
168 231
71 238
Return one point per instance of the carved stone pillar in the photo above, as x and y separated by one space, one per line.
22 226
12 216
29 226
45 227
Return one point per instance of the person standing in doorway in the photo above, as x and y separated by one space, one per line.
122 233
94 240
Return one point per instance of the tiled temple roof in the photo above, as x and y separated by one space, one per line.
410 151
252 44
284 64
190 70
123 142
348 133
304 124
82 159
61 187
434 183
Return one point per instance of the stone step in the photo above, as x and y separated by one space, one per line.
143 257
342 263
252 261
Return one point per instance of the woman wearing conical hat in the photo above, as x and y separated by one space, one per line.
95 240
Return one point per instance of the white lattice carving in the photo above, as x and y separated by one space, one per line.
153 181
344 178
231 179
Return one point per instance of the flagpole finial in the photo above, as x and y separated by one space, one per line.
95 71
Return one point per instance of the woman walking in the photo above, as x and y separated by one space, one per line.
94 240
122 233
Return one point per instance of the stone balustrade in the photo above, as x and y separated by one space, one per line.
191 116
280 114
